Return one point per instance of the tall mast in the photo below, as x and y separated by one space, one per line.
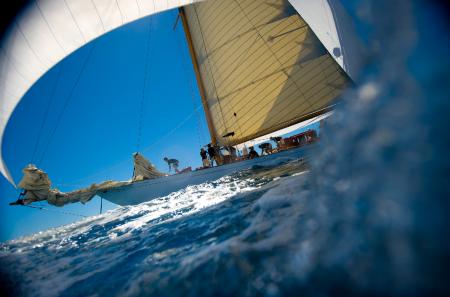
201 87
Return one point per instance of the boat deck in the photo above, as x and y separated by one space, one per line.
147 190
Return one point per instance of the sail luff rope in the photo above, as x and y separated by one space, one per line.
200 134
146 78
68 99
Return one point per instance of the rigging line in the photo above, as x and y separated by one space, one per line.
306 83
239 64
191 89
256 49
146 77
180 124
44 119
222 42
269 48
57 211
281 125
174 129
209 63
236 66
68 98
280 112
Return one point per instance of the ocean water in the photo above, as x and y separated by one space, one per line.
367 214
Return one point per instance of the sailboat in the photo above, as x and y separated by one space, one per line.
260 67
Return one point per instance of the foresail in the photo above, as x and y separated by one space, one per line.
262 66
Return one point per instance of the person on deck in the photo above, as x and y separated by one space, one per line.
266 148
173 163
244 152
205 160
279 141
252 154
233 152
212 154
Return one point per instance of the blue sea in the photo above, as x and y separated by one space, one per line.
366 214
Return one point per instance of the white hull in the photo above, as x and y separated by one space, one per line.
150 189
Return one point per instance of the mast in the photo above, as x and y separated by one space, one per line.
201 87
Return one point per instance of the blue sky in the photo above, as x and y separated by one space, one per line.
90 107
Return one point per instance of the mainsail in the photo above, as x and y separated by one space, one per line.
262 67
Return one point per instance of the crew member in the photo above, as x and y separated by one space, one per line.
244 152
205 160
212 154
266 148
252 153
173 163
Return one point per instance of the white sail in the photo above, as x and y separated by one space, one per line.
50 30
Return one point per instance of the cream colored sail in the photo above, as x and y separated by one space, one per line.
262 66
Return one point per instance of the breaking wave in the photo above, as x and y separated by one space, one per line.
369 218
